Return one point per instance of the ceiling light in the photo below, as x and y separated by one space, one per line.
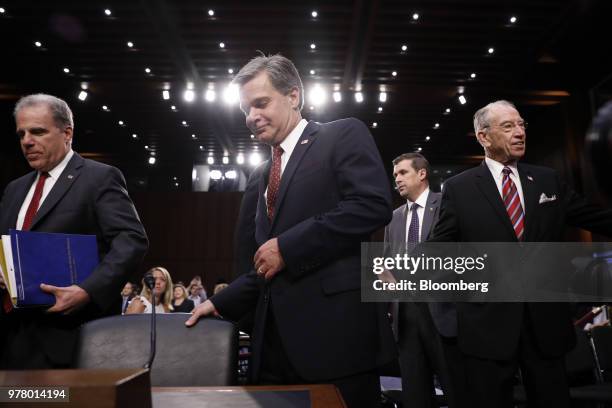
189 95
231 174
210 95
230 71
121 123
211 12
173 107
513 19
462 99
240 158
491 50
254 159
105 108
231 94
152 160
314 14
211 160
82 95
215 174
201 147
221 45
134 136
313 46
166 95
419 149
2 10
380 109
447 110
38 44
193 136
312 72
147 70
146 147
67 70
394 73
152 153
427 138
184 123
473 75
436 126
252 136
374 124
415 16
382 97
404 47
337 96
358 97
225 160
317 95
107 12
176 184
130 44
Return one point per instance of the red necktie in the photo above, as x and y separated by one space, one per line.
512 201
274 180
33 207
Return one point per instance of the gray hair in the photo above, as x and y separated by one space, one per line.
481 117
281 71
60 111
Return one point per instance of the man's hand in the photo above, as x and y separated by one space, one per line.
268 259
67 299
203 309
136 306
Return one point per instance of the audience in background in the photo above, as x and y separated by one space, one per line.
180 302
162 290
127 294
201 292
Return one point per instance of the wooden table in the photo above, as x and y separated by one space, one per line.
320 396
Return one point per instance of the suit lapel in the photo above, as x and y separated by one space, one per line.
20 196
70 174
431 207
530 195
302 146
486 184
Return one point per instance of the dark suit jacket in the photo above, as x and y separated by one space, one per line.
472 211
88 198
332 196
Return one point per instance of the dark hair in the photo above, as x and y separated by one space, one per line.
283 74
417 160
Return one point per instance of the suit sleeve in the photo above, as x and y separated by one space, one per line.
364 205
123 234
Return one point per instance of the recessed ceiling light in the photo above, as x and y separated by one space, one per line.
358 97
66 70
513 19
147 70
82 96
447 110
419 149
427 138
121 123
176 184
225 160
193 136
404 47
436 126
2 10
374 124
146 147
201 147
473 75
394 73
105 108
134 136
313 46
252 136
152 160
189 95
491 50
108 12
173 107
184 123
311 107
210 160
210 95
221 45
152 153
415 16
314 14
462 99
211 12
166 95
312 72
240 158
337 96
382 97
230 71
380 109
38 44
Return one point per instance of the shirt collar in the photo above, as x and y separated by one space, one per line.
421 200
292 138
55 172
496 167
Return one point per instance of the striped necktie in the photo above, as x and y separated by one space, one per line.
512 201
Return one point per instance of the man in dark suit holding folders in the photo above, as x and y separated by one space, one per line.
503 200
65 194
320 196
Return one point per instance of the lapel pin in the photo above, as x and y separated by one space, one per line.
70 176
430 208
304 141
529 178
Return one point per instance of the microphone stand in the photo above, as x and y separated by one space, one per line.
149 280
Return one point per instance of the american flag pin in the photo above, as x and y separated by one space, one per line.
529 178
430 208
70 176
304 141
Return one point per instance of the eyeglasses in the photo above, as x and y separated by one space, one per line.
508 127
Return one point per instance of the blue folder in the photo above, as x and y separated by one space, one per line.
51 258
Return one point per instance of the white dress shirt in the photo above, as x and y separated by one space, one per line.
496 168
54 175
422 202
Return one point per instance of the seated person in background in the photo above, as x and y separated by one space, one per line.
197 281
127 294
194 293
180 303
162 290
219 287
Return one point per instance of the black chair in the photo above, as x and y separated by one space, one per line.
204 355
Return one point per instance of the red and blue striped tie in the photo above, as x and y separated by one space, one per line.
512 201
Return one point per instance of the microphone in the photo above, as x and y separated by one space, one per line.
149 281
